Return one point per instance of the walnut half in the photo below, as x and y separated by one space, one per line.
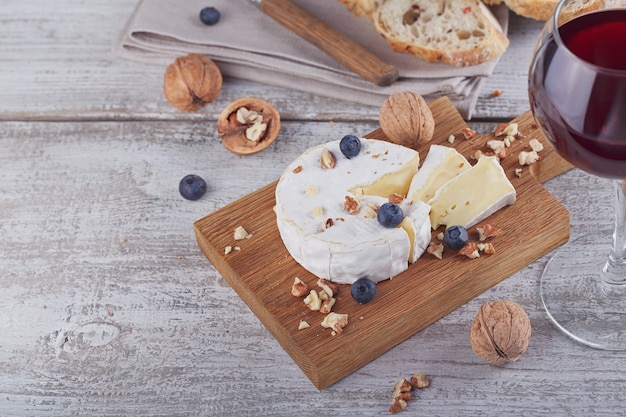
248 125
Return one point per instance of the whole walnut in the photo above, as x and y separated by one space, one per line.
406 119
500 332
192 81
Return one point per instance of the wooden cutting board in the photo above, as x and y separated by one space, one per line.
262 271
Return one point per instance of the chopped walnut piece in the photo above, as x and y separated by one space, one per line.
496 93
396 198
328 223
518 172
528 158
435 249
228 249
297 169
327 159
451 139
241 233
327 305
470 250
299 288
303 325
329 287
335 321
313 301
486 248
468 132
506 129
401 395
486 231
351 205
535 145
495 145
420 381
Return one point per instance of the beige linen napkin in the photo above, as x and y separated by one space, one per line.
247 44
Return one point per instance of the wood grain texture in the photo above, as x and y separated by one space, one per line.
262 271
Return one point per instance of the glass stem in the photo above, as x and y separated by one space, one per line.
614 272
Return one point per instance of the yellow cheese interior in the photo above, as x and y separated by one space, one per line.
407 225
394 182
470 194
451 166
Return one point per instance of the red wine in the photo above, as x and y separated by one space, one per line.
578 92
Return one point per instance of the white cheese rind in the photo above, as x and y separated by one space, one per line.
356 245
473 195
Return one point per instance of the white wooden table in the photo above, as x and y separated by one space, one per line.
107 305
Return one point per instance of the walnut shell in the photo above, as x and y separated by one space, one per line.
192 81
406 119
500 332
243 136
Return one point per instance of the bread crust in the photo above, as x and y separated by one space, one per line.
455 32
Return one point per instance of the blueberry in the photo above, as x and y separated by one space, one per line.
455 237
390 215
363 290
192 187
210 16
350 146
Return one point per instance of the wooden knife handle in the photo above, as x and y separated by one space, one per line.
334 43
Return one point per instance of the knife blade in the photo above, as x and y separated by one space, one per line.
334 43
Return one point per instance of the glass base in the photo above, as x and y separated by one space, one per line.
578 301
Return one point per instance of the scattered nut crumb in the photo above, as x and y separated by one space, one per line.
351 205
496 93
470 250
451 139
303 325
468 132
241 233
297 169
518 172
420 381
435 249
335 321
535 145
486 248
313 301
401 395
327 305
228 249
329 288
299 288
487 230
528 158
396 198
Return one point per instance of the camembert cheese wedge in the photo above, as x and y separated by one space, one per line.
473 195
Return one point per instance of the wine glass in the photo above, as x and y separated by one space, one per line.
577 91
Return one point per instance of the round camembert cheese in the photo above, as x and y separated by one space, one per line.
326 215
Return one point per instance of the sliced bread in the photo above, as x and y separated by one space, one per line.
534 9
456 32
